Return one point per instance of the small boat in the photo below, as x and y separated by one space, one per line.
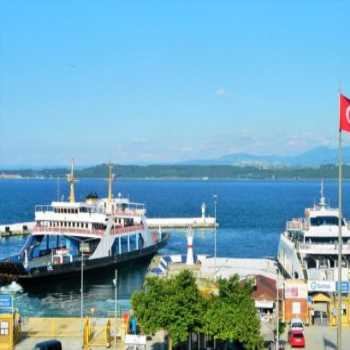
93 234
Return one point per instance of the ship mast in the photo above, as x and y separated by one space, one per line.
71 179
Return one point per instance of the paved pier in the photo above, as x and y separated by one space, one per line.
23 228
201 222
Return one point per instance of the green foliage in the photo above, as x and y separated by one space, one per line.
281 327
176 305
192 171
172 304
232 315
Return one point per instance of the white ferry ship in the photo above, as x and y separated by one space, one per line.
308 247
98 233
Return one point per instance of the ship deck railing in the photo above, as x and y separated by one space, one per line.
82 231
324 248
297 224
134 210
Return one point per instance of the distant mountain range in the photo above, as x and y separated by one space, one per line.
315 157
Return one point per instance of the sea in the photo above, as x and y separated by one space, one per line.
251 215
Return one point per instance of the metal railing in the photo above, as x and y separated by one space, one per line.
297 225
324 247
75 230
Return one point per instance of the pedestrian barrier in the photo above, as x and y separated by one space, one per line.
42 327
86 333
97 335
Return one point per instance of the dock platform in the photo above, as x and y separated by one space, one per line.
24 228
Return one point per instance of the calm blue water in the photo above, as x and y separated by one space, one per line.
251 216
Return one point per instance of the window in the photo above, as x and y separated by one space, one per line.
132 242
325 220
115 247
4 328
124 243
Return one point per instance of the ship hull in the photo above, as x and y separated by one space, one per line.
90 267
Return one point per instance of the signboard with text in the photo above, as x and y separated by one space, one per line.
6 303
321 286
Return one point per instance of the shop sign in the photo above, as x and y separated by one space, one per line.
133 339
321 286
345 288
6 302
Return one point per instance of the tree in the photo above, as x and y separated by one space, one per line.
173 304
232 315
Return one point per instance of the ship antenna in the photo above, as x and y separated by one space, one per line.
110 180
71 180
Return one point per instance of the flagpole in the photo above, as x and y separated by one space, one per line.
340 243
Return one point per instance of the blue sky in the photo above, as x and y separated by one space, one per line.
163 81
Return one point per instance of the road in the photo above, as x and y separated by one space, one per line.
324 338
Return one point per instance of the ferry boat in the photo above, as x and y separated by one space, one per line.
308 248
93 234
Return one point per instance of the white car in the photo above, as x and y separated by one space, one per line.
296 324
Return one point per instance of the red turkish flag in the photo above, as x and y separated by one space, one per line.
344 114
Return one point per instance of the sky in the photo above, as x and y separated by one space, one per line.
168 81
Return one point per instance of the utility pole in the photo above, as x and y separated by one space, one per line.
82 290
215 247
277 313
116 294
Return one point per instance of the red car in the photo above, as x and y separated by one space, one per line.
296 338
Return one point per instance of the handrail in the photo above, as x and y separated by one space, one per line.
329 246
114 231
129 212
297 224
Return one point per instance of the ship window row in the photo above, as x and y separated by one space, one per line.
72 210
98 226
325 220
68 224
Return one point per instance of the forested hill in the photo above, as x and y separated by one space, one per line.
189 171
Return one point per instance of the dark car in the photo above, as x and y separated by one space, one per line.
48 345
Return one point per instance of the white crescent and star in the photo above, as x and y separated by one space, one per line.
347 114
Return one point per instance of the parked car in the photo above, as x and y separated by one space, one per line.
296 338
48 345
296 324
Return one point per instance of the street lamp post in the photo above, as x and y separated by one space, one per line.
215 201
277 312
82 289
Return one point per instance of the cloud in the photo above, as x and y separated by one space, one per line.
221 92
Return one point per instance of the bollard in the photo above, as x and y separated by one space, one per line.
108 337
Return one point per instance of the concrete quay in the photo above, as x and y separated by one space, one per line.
24 228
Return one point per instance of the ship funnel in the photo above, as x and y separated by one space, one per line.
189 258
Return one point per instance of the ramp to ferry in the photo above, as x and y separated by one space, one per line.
43 327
